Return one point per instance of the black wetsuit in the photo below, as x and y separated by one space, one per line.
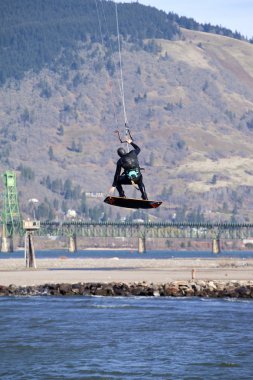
132 173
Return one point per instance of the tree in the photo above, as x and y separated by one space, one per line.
56 204
46 91
34 33
73 146
51 153
48 182
56 186
60 131
82 209
25 116
45 210
80 147
64 207
67 189
214 179
27 174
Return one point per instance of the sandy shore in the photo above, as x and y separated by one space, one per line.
66 270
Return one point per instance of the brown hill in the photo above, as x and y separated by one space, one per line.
189 106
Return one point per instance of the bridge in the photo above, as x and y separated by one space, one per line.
11 226
142 231
199 231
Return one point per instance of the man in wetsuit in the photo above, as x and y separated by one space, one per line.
132 173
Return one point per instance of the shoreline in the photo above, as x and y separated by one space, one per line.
123 270
135 249
203 289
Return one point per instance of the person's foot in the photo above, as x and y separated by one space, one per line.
122 195
145 197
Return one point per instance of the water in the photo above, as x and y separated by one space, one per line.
125 338
131 254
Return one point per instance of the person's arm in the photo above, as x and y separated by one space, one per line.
136 148
115 179
111 191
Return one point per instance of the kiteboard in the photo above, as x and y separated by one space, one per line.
131 202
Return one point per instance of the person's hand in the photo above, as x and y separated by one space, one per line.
128 140
111 191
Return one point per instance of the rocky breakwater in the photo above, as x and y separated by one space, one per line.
209 289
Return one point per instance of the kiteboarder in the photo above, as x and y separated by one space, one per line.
132 172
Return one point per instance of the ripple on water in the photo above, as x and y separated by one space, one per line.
119 338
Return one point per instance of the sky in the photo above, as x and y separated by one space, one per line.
236 15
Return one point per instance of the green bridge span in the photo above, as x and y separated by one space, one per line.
183 230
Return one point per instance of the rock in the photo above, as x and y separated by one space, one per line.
201 283
197 289
65 289
120 289
243 291
211 285
236 289
12 289
189 292
220 286
105 290
171 290
4 290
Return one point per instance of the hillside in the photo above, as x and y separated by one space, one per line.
34 32
189 106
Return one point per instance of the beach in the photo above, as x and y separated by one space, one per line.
115 269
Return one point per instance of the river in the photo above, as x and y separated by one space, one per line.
49 338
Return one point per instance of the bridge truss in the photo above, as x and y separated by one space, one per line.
200 231
11 220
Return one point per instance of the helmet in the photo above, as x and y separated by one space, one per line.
121 152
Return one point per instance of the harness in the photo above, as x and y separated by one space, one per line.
133 174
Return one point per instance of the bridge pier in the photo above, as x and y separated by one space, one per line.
216 246
7 242
141 244
72 244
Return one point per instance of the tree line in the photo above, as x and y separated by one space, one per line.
34 32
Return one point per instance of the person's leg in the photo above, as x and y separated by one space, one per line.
142 189
123 180
120 190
